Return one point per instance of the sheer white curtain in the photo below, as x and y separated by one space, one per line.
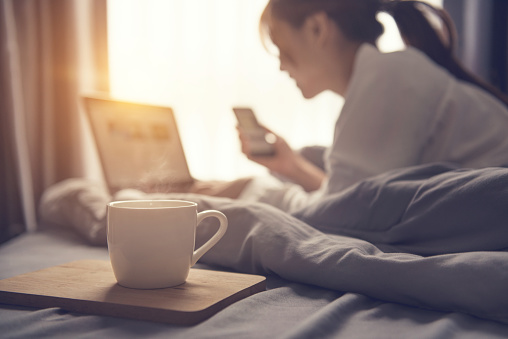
201 57
42 62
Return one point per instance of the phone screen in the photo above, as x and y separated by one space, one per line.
246 118
256 133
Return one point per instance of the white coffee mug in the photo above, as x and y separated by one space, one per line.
151 242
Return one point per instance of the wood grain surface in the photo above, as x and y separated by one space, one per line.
89 286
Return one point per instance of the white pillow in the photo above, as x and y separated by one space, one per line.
78 204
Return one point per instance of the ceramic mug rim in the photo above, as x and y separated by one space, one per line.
151 204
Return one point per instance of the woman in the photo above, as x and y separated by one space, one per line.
400 109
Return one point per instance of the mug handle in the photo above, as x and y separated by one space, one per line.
216 237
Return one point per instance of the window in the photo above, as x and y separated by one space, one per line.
201 57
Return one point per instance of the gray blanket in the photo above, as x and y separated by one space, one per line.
432 236
429 236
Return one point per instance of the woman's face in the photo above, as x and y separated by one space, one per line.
299 56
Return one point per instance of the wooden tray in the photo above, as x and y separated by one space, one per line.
89 286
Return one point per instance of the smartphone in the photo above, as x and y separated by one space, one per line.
260 144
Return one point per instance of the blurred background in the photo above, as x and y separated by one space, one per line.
200 57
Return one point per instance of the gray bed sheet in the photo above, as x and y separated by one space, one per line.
414 253
285 310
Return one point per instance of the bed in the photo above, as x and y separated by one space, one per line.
418 252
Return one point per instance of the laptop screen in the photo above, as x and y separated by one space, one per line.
138 144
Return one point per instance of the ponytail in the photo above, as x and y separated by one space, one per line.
357 20
417 31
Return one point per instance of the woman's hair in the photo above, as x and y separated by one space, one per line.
357 19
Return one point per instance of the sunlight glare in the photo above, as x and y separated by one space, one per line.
202 58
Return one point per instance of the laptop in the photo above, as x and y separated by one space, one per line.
138 145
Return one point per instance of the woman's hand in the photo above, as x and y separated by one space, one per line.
280 162
285 162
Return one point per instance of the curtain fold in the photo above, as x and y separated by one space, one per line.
43 61
499 58
16 195
482 26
